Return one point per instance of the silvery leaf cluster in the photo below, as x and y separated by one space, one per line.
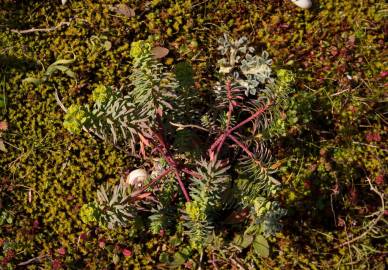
269 222
239 61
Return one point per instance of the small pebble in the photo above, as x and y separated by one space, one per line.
302 3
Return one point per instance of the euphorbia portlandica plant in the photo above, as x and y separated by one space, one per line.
228 179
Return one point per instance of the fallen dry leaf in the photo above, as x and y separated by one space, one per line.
159 52
125 10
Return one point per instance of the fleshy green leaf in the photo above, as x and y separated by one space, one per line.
164 258
2 146
62 62
32 80
179 259
260 246
243 241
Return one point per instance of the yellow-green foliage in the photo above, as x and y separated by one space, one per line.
100 94
139 48
195 212
87 214
285 79
74 118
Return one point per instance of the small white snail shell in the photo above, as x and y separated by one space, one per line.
137 177
302 3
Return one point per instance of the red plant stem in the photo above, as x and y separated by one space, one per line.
244 147
193 174
229 114
214 262
221 138
214 145
160 140
170 160
253 116
156 179
221 143
187 197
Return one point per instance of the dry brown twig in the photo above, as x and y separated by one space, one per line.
371 225
32 30
181 126
36 259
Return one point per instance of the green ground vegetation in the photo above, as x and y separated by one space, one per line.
330 143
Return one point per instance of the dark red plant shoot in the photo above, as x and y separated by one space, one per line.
179 170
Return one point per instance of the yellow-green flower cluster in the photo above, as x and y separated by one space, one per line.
194 211
100 94
139 48
285 78
87 214
196 244
74 119
261 206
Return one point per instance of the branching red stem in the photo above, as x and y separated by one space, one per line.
185 193
220 140
253 116
164 151
190 172
244 147
229 113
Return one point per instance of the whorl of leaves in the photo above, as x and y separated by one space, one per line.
153 87
256 174
270 223
198 232
264 121
266 216
118 120
163 217
213 181
113 205
164 213
206 192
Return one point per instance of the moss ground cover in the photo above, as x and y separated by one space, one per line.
332 136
